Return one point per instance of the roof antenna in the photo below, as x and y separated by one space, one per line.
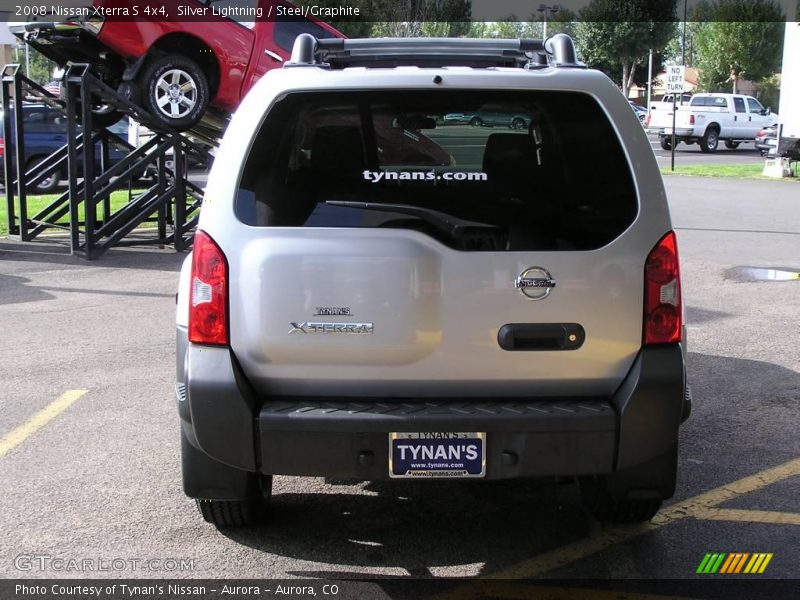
303 51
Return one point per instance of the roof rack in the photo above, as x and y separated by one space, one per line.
337 53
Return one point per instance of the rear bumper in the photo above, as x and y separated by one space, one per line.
349 437
523 439
682 132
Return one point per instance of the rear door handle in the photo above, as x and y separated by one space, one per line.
541 336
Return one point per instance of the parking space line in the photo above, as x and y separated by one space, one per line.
574 552
39 420
696 507
748 516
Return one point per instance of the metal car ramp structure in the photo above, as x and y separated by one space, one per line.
162 206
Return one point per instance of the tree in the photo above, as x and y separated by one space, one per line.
355 29
41 67
737 39
769 90
618 34
413 18
639 75
512 27
562 22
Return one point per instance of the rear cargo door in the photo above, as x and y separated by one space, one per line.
394 254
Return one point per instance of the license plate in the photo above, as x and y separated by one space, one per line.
437 454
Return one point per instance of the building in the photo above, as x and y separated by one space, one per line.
7 45
690 83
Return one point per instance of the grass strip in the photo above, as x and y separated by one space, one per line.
745 171
40 201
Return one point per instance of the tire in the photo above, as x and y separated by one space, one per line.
476 122
518 123
46 186
175 91
632 495
225 496
603 507
710 141
687 403
666 143
129 91
237 513
731 145
103 115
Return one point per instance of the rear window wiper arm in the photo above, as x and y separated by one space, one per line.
436 218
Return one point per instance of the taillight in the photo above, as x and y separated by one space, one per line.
647 119
663 321
208 297
2 147
691 119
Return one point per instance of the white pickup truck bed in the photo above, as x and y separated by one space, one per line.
660 113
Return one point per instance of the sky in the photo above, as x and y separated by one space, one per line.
491 10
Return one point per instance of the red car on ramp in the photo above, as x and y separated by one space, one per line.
175 62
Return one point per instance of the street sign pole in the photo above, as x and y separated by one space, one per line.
672 145
675 78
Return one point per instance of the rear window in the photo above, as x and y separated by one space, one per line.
478 171
716 101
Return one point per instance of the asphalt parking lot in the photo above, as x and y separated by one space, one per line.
89 451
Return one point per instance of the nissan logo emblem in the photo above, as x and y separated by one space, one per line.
535 283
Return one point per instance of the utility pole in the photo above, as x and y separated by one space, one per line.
649 79
543 8
683 35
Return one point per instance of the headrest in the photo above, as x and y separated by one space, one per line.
506 151
338 149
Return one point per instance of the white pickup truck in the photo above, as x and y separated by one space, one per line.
709 118
659 113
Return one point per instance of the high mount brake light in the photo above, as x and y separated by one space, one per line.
208 297
663 320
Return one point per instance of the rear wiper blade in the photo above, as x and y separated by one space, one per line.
440 220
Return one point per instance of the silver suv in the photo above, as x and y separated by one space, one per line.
379 292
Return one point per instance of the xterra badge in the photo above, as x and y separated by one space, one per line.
311 327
